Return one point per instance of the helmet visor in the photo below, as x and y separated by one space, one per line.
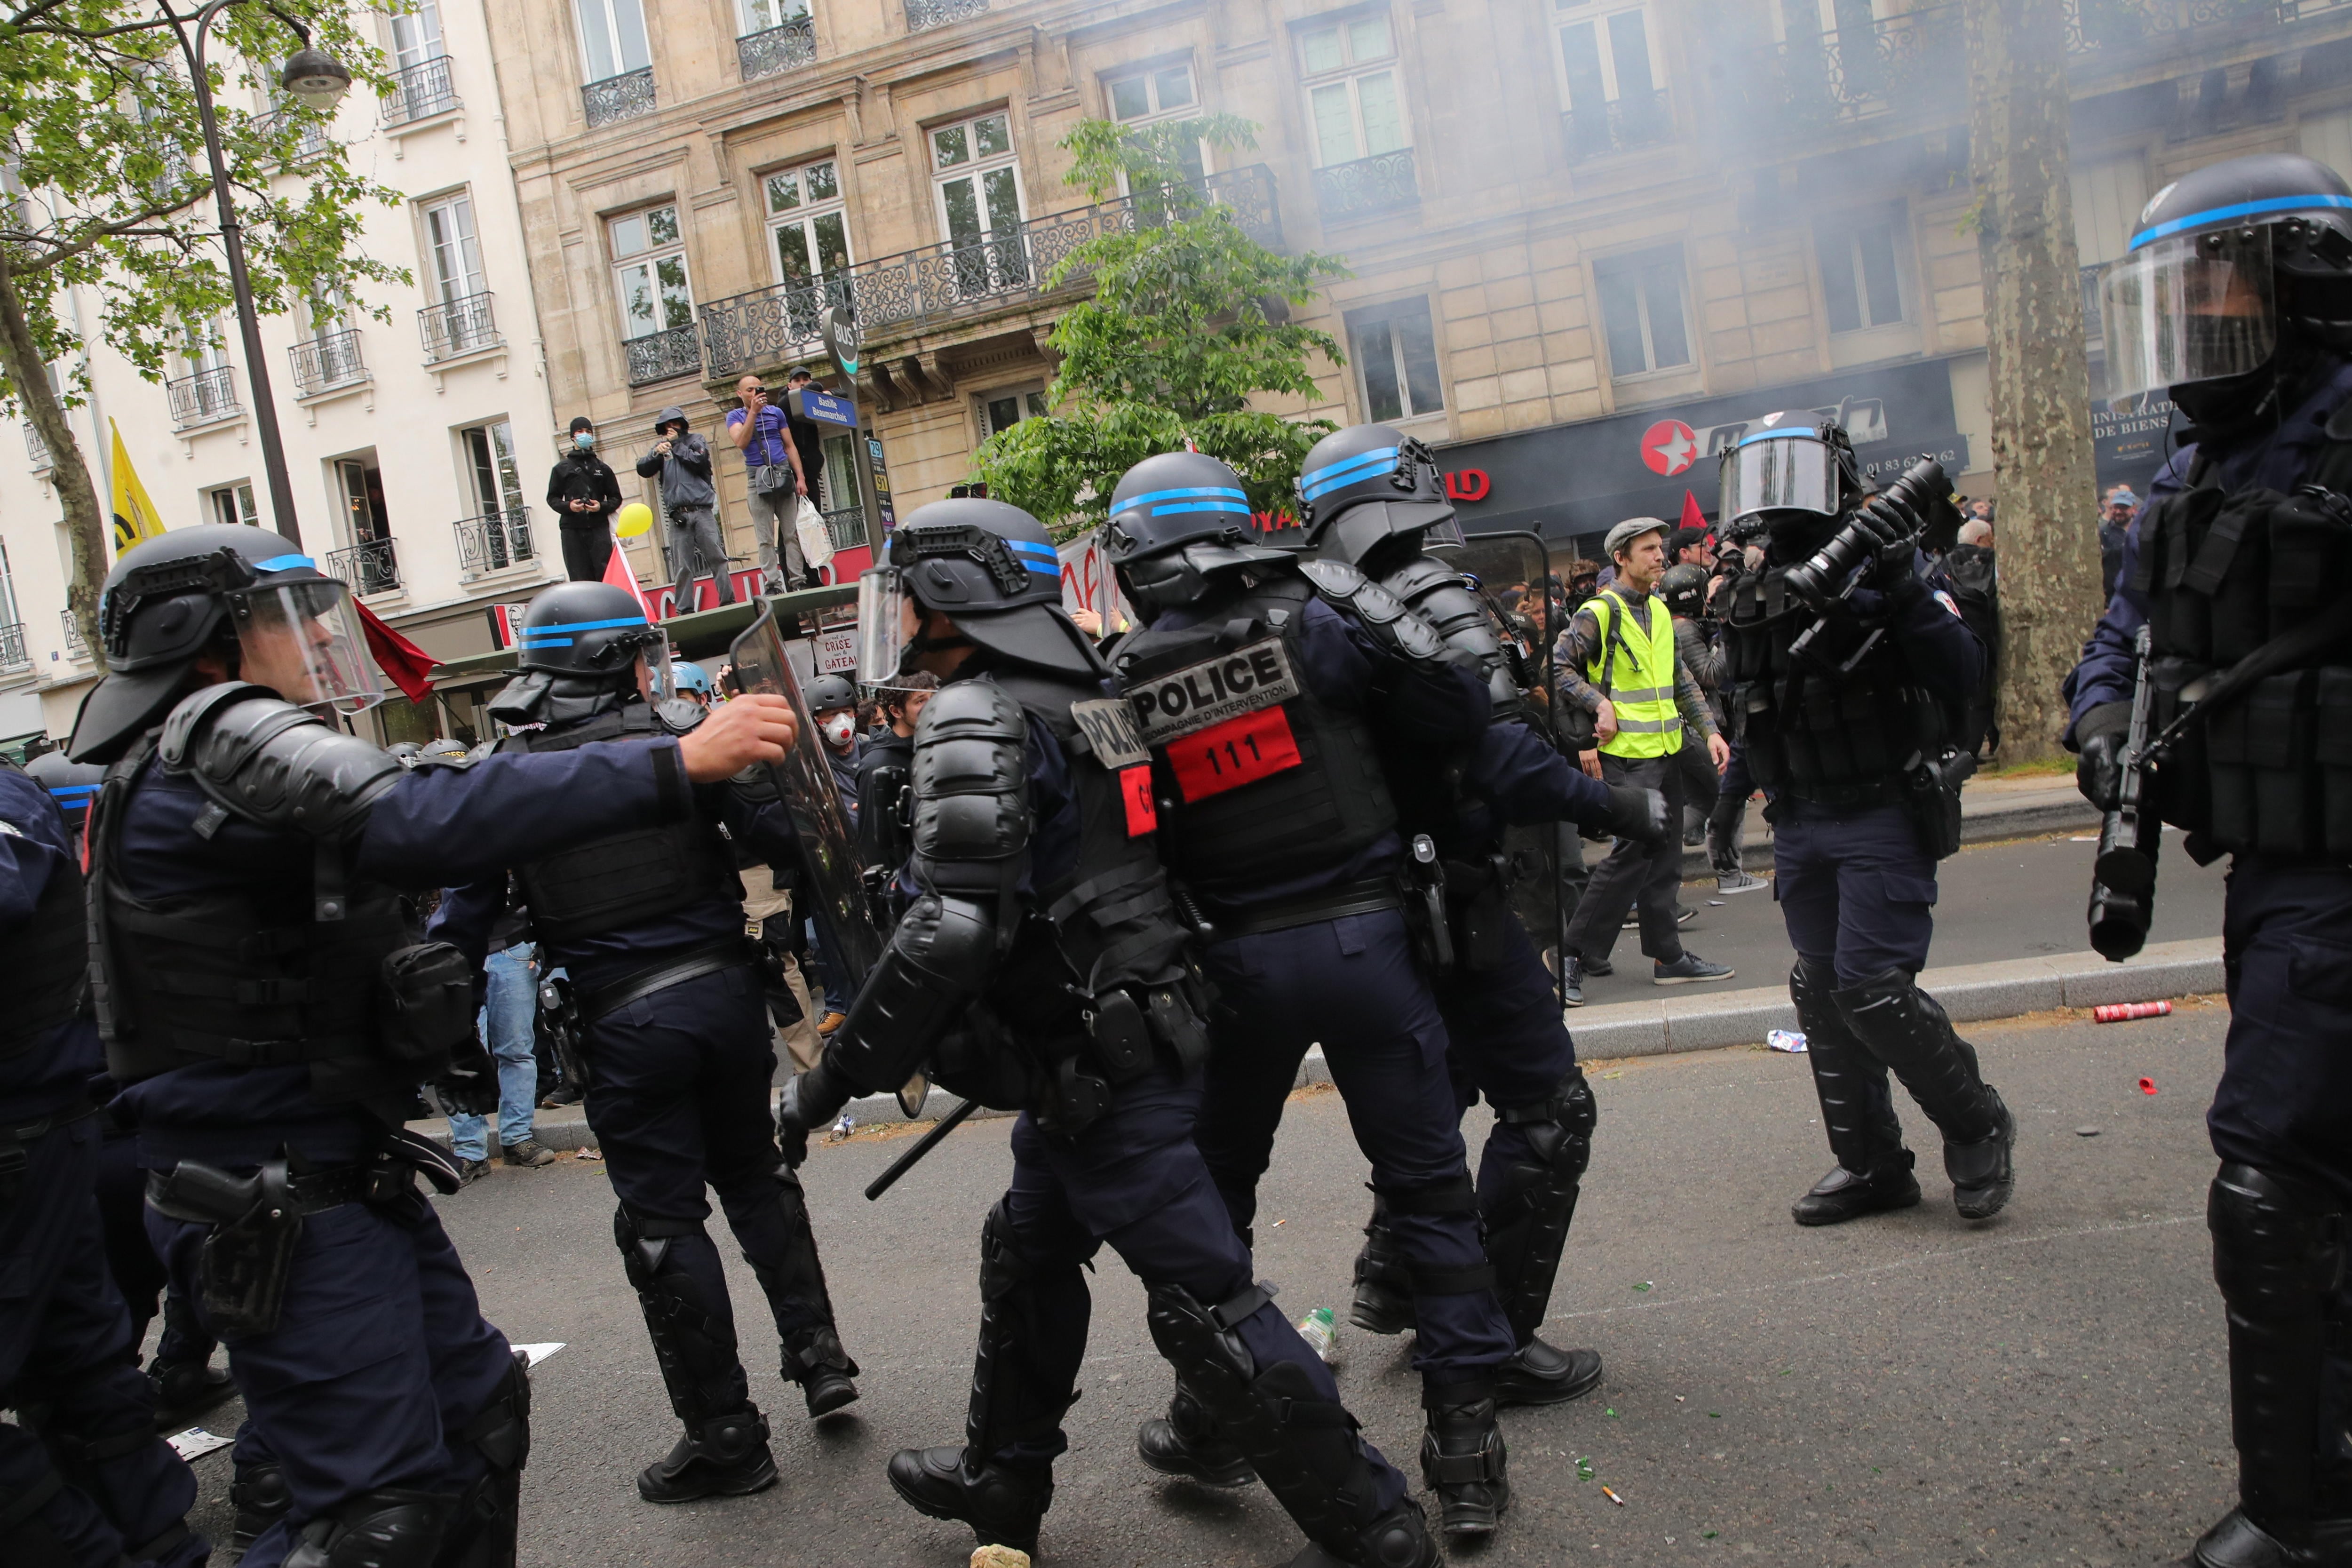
2188 309
1791 470
303 641
661 671
881 634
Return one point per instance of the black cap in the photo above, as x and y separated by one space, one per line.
582 422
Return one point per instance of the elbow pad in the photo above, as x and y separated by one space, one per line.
273 763
939 958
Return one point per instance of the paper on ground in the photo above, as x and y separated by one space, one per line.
534 1354
196 1441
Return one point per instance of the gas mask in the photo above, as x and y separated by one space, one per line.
838 727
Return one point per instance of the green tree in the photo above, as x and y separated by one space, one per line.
1190 320
105 187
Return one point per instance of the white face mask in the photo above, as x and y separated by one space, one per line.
839 727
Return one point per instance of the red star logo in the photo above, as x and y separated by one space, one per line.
1669 447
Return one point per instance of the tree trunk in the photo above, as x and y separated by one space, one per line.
86 522
2046 521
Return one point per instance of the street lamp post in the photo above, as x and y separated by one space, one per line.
319 80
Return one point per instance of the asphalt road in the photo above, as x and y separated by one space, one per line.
2018 899
2047 1387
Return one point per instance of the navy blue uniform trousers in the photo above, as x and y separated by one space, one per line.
2285 1102
1857 888
66 1350
1354 984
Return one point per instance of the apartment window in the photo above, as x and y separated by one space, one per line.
1606 80
1353 96
1642 310
416 34
454 254
808 228
649 267
612 37
1395 355
759 16
1164 93
979 187
1000 411
232 504
205 346
1860 277
361 484
836 482
13 652
1809 19
490 462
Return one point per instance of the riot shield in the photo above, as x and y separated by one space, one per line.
1509 572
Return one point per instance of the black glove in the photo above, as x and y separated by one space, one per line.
470 1087
1896 527
2099 769
810 1100
1638 814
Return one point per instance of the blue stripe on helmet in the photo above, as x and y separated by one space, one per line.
1363 466
1788 433
285 563
1180 507
74 795
2243 209
1146 499
582 625
530 641
1034 553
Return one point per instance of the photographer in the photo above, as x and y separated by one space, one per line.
775 481
581 490
689 502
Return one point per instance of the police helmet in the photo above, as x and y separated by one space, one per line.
1683 589
827 693
73 785
992 569
445 750
686 677
1175 520
2227 264
403 752
586 628
1369 484
167 600
1792 467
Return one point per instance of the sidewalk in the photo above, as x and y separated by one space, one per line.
1990 809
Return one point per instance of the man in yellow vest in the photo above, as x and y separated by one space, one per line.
1617 663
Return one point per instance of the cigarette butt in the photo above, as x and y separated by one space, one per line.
1612 1497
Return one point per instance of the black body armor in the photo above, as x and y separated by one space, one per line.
1437 594
52 960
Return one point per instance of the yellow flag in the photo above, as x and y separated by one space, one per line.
135 517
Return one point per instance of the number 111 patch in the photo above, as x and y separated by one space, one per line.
1242 750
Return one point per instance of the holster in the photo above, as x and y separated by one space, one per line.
1127 1031
1478 898
1424 907
248 1254
1933 790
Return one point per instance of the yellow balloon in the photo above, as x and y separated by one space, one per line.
633 519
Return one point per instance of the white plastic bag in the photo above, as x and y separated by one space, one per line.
817 542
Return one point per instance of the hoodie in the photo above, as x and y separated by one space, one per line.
584 475
686 472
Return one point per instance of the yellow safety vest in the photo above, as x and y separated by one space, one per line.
1641 678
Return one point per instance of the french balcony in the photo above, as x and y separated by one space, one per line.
1381 182
1636 120
327 362
1916 64
37 450
846 528
369 568
419 93
941 283
922 15
12 654
2124 25
659 356
773 50
494 541
205 398
74 646
618 98
458 326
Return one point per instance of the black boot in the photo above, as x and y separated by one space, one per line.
185 1390
781 1246
1384 1303
824 1370
1905 1027
1462 1463
1873 1170
1541 1373
1005 1504
726 1456
1184 1442
2279 1257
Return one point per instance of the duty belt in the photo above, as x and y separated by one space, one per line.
15 1140
692 964
312 1191
1368 897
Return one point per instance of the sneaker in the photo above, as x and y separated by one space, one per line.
1738 881
1598 968
471 1171
1571 990
831 1022
529 1151
1686 970
561 1095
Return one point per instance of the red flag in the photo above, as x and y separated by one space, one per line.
1691 516
395 656
617 573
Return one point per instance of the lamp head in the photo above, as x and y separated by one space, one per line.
317 77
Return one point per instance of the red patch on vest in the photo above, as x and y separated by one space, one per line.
1242 750
1135 789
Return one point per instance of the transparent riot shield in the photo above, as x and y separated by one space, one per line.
1510 573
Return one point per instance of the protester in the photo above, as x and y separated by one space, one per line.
883 771
509 1008
585 494
808 435
1976 591
772 465
1690 547
2114 527
1683 589
689 501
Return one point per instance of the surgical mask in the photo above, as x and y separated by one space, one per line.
584 440
839 727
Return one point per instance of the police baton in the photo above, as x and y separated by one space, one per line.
924 1145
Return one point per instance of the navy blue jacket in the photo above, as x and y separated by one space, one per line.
35 847
2276 459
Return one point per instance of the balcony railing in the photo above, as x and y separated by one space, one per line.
779 49
2128 24
370 568
618 98
327 362
657 356
202 398
420 91
493 541
37 450
1381 182
921 287
1916 63
458 326
1634 121
846 528
12 646
74 646
922 15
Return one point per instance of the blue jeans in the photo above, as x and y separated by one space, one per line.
507 1012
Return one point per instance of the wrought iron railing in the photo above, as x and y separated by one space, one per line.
37 449
420 91
458 326
1381 182
13 654
74 646
918 289
369 568
2126 24
201 398
1634 121
494 541
777 48
846 528
657 356
1916 63
623 97
328 361
922 15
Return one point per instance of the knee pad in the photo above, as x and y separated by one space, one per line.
2271 1230
1558 1127
389 1528
259 1496
1452 1195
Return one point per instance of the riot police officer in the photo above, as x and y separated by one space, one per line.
279 1012
1042 964
1259 684
1373 503
647 923
1849 714
2237 296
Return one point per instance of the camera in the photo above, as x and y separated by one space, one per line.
1826 578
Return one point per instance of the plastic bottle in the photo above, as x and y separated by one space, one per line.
1320 1330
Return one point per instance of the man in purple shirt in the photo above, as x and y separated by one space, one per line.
772 463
